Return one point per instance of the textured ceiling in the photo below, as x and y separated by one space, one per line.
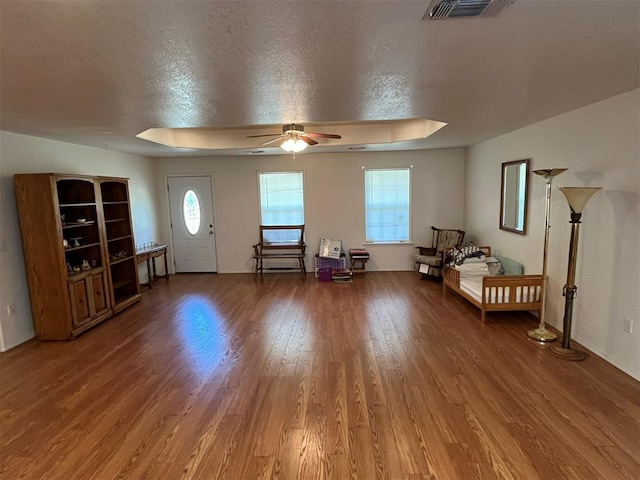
99 72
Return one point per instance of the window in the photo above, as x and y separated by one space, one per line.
191 212
387 205
281 198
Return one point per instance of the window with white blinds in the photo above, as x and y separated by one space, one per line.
281 198
387 205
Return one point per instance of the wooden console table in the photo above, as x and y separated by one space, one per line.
147 253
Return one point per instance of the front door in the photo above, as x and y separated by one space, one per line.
194 241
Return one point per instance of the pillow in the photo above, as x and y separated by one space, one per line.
510 267
495 267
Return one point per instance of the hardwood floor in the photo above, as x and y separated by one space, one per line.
223 376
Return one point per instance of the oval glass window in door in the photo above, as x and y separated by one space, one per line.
191 212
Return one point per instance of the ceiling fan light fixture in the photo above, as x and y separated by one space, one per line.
293 145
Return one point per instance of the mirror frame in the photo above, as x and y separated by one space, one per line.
507 168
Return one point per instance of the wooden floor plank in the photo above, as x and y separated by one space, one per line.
236 377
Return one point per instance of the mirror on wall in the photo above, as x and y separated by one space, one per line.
513 196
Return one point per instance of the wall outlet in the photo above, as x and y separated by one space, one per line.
237 253
628 325
11 309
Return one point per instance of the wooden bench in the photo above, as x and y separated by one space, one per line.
280 242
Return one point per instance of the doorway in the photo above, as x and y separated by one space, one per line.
192 226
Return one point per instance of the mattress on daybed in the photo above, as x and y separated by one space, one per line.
474 269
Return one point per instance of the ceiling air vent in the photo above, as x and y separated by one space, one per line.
443 9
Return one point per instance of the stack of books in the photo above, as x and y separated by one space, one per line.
358 253
341 276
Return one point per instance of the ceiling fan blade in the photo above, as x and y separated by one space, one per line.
280 137
309 141
323 135
265 135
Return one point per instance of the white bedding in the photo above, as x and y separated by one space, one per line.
474 269
479 269
472 284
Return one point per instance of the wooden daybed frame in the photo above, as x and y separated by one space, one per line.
494 290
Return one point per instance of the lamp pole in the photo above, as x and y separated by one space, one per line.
541 334
577 198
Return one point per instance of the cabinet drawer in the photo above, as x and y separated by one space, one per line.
100 297
80 302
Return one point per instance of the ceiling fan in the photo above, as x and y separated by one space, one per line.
295 138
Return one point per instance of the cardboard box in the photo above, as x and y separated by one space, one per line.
330 248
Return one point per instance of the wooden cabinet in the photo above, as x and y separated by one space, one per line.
79 250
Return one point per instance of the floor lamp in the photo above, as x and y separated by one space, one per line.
577 198
541 334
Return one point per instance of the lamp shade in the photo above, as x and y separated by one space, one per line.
549 172
293 145
578 196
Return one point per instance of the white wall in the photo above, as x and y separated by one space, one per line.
599 144
334 199
24 154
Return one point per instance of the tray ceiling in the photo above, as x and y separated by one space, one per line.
98 73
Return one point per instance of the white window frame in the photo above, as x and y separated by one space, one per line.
387 241
260 196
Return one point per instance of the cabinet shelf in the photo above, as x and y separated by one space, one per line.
124 300
68 225
75 276
115 239
120 202
114 220
88 245
83 204
121 283
120 260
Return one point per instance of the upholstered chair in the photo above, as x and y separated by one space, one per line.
430 260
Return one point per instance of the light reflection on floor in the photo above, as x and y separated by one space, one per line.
203 333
